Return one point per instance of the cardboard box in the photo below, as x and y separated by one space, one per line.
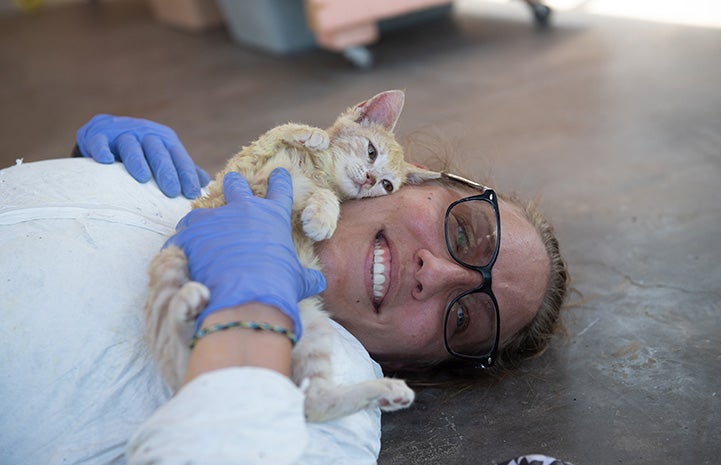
188 15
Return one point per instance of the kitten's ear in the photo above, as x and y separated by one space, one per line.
416 174
383 109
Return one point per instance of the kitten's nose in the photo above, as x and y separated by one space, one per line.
370 180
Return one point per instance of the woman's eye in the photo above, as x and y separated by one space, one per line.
387 185
372 152
461 236
462 319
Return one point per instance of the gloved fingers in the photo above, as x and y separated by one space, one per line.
131 154
176 239
98 148
280 188
203 176
314 283
86 132
236 188
161 165
190 217
187 174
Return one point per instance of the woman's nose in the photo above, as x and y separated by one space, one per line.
436 274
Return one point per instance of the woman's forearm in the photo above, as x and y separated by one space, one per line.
238 347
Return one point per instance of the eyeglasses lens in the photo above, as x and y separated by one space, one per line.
471 325
472 232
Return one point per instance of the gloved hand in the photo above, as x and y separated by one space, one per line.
243 251
142 146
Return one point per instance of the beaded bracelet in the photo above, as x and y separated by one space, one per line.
243 324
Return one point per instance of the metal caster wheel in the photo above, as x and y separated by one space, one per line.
361 57
541 14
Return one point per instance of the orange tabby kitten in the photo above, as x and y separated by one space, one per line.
356 157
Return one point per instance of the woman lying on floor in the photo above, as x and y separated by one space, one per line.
77 240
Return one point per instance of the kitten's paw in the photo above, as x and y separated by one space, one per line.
315 226
311 138
395 395
190 300
320 215
325 402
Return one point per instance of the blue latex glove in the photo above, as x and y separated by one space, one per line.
243 251
143 146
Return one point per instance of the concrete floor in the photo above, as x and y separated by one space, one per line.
616 123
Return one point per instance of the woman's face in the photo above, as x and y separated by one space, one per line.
406 322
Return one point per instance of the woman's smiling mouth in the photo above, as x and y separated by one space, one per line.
380 270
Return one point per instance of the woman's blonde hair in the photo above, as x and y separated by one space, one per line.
533 339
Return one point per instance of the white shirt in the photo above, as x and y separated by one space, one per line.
77 380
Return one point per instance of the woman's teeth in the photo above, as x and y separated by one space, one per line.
378 274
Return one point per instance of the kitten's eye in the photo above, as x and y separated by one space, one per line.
372 152
387 185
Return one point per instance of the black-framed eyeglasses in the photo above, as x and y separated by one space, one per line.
472 227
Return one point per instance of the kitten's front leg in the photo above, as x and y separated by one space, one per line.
320 215
305 136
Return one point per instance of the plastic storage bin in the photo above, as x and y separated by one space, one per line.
277 26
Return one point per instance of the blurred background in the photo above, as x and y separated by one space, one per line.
606 111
